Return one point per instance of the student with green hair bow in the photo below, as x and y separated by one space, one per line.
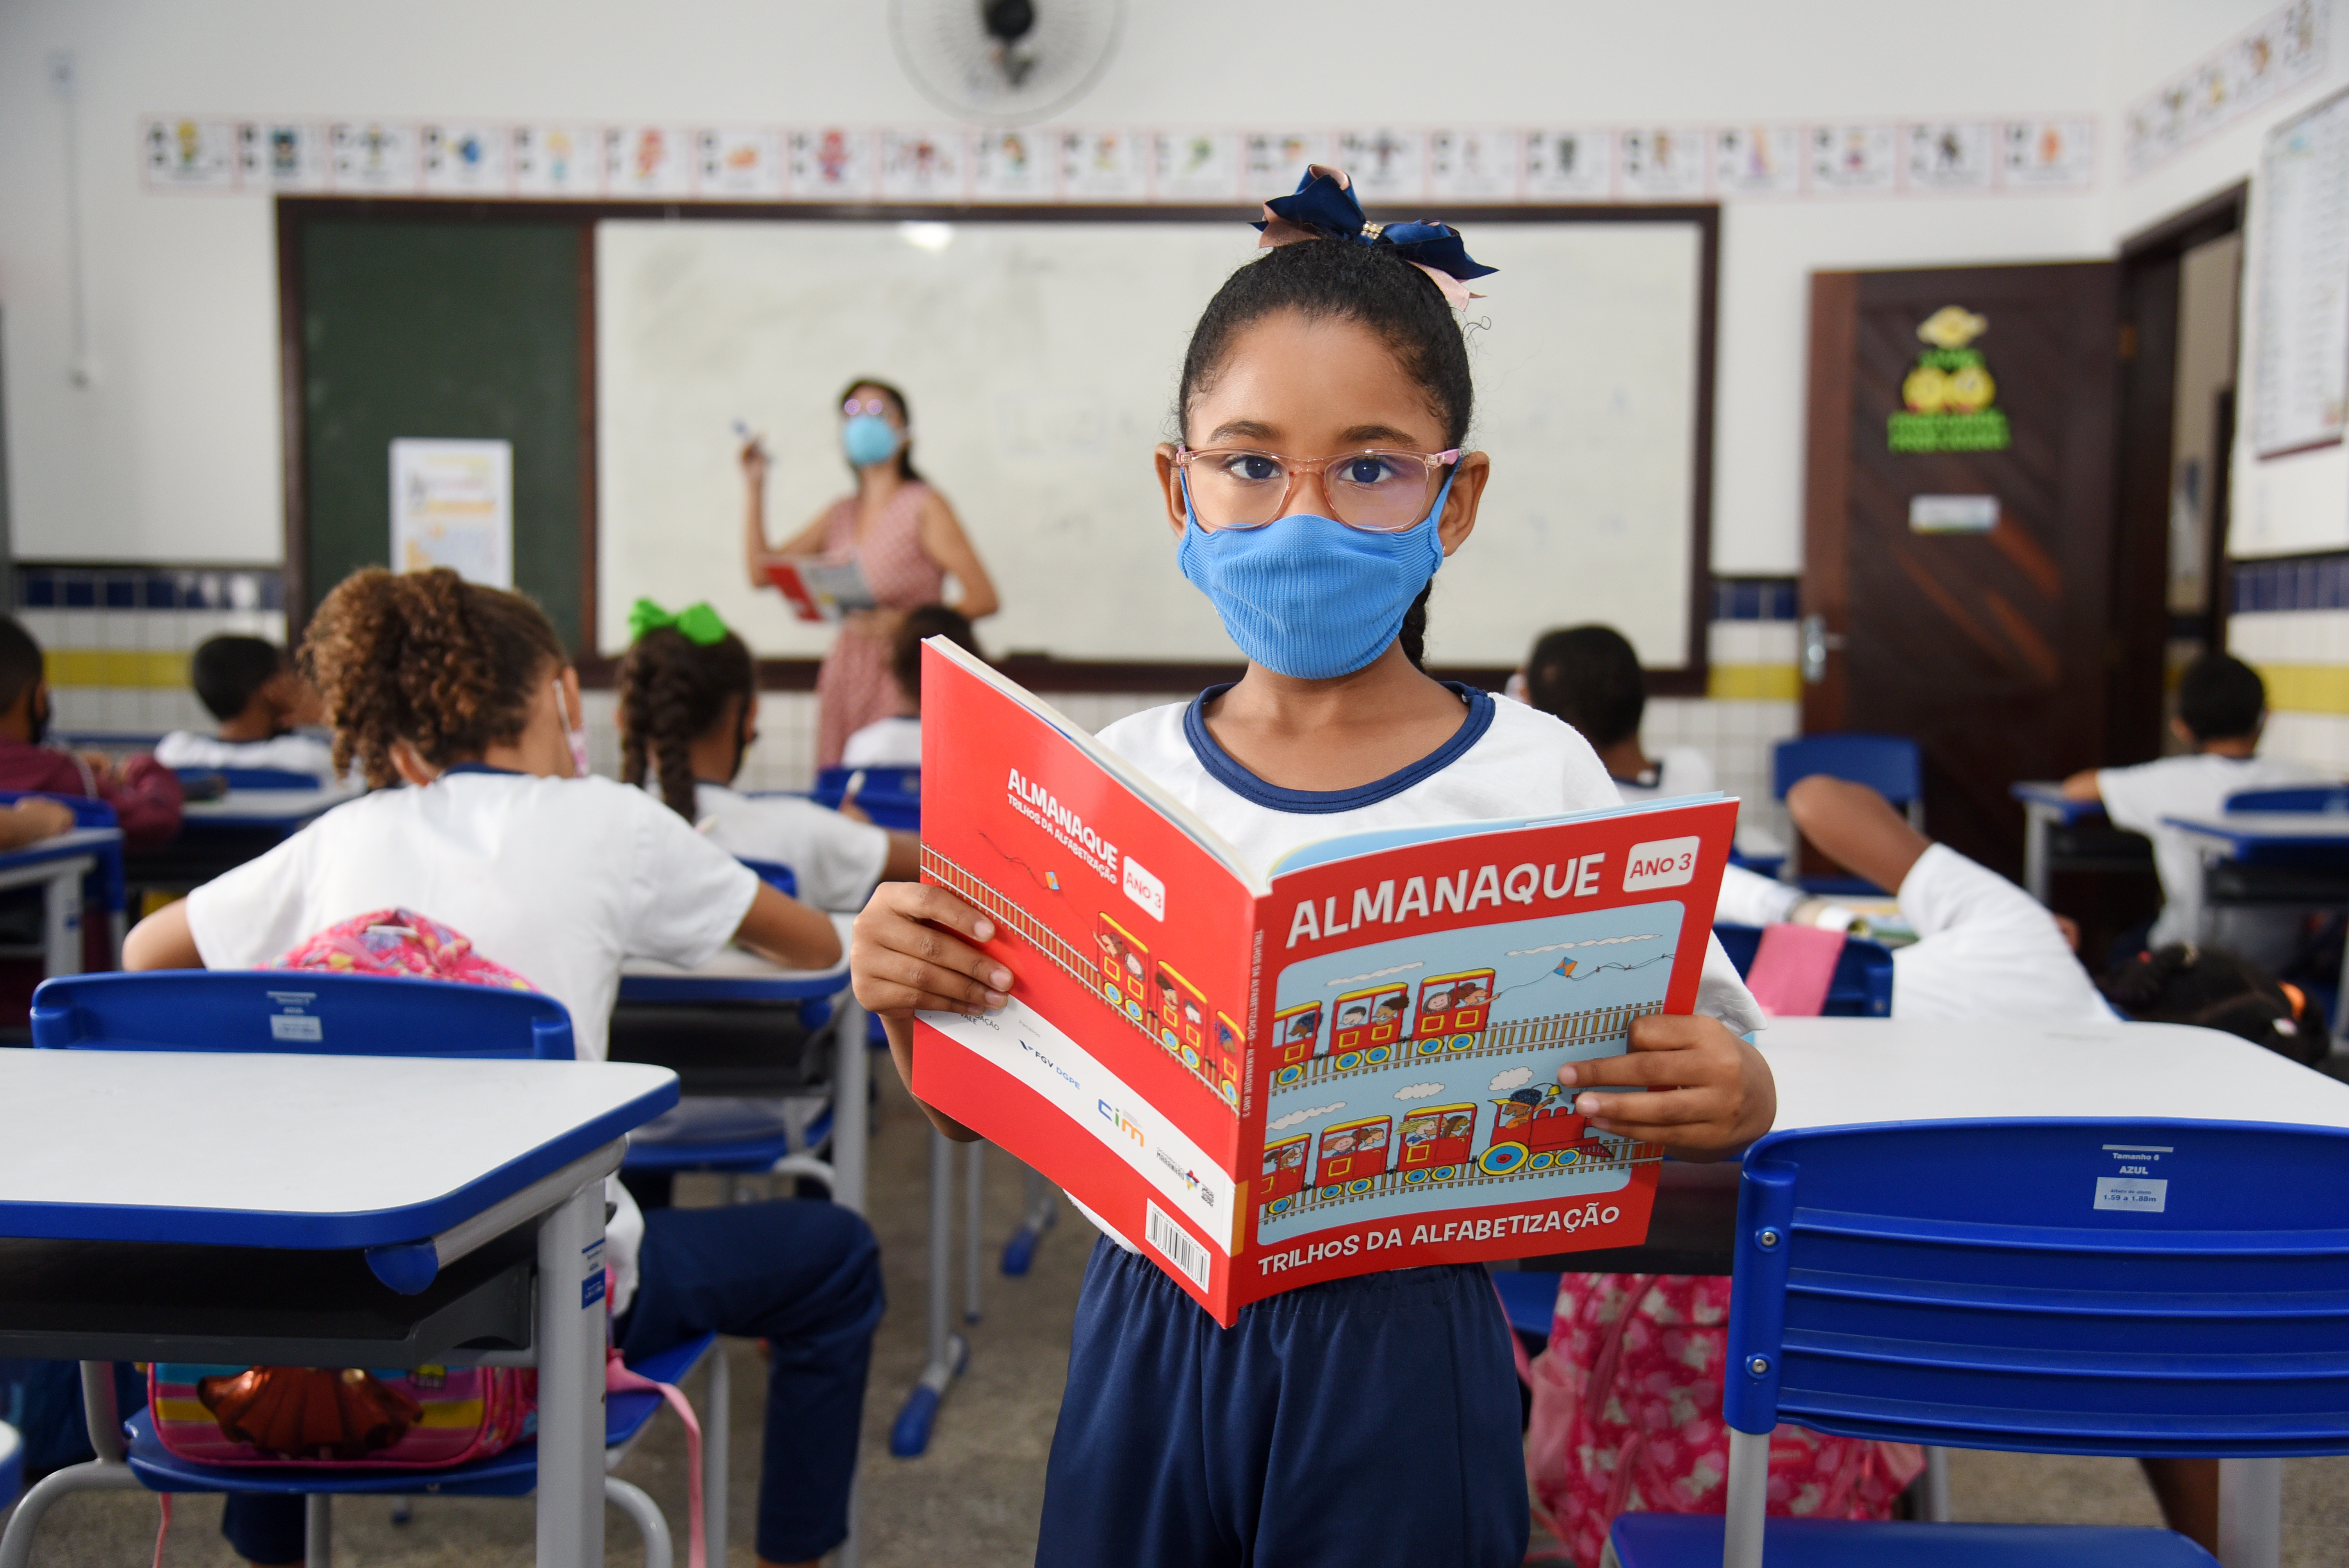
688 715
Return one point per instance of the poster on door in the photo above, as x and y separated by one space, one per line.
452 505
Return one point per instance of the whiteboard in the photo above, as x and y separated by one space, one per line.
1041 361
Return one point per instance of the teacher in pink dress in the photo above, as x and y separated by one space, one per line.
900 530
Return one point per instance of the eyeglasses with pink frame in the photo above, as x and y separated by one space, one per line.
1224 496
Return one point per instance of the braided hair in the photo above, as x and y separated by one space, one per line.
1337 279
2185 984
449 666
673 691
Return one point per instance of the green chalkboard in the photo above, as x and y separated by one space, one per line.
458 330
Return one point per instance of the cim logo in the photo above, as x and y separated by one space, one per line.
1664 862
1120 1121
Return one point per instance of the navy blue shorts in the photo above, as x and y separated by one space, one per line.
1371 1419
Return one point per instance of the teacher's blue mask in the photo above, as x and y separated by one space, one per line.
1305 596
868 438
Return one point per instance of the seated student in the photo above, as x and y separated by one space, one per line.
2215 989
144 793
897 742
689 712
466 692
251 686
2221 708
1590 678
1985 949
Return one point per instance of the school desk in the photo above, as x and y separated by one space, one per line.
199 1206
2061 835
735 976
58 866
2269 858
218 836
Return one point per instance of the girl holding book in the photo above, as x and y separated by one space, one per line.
1320 485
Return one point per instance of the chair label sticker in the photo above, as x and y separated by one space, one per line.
295 1026
2140 1195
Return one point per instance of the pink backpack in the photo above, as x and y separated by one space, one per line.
428 1418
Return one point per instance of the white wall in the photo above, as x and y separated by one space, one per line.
174 455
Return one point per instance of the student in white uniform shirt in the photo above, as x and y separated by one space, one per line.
896 742
1324 398
251 686
688 714
464 693
2222 706
1985 949
1590 678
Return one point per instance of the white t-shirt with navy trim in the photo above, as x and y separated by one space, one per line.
836 859
557 879
1507 760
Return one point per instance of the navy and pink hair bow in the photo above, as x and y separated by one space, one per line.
1324 207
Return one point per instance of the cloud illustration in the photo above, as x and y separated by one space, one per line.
1418 1090
1516 1077
1594 941
1373 974
1307 1114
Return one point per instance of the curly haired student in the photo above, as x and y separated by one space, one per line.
464 693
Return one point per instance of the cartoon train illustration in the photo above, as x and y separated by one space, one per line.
1536 1128
1156 998
1531 1131
1296 1032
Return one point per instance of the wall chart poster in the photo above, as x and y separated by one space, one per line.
452 505
2300 285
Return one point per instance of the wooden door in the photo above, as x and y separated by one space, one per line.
1978 621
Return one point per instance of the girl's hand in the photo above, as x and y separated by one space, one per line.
754 463
900 960
1709 1094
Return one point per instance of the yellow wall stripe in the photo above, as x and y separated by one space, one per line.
1753 683
116 667
2307 689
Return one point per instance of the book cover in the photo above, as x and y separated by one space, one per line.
822 590
1347 1062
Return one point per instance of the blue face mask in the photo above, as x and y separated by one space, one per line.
868 438
1305 596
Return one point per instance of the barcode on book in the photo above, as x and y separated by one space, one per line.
1175 1243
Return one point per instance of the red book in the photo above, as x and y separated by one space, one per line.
1343 1063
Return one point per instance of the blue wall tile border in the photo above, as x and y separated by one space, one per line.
2291 583
1756 599
47 586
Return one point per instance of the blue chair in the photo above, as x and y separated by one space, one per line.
2022 1286
776 875
1890 765
892 796
1862 986
312 1012
2331 799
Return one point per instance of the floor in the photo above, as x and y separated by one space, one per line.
972 1500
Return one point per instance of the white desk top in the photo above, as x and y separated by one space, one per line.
253 807
293 1151
1835 1072
2296 826
734 974
72 841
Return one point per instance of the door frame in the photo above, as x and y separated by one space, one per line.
2150 261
